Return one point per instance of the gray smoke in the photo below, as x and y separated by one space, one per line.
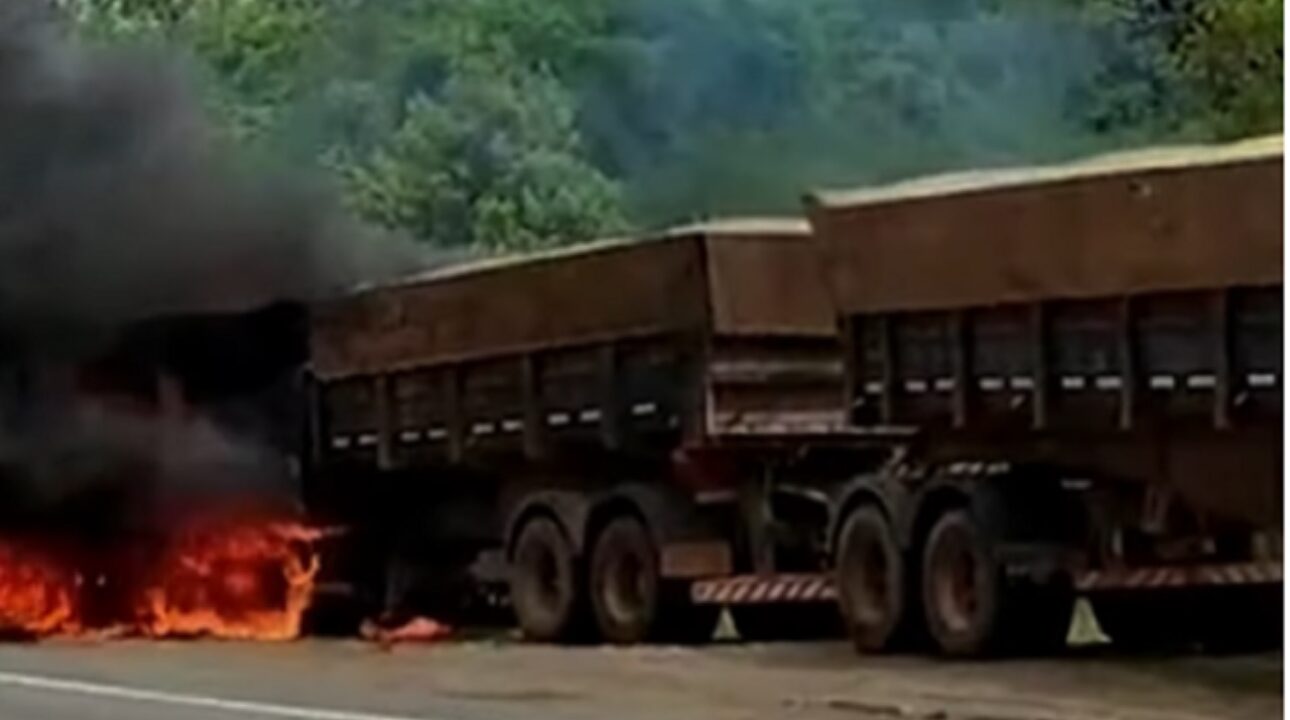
117 201
713 107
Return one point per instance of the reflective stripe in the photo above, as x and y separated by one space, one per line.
644 408
991 383
1261 380
1181 576
1022 383
1201 382
1108 382
1162 382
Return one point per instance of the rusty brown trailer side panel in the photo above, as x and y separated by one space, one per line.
492 309
1163 220
736 278
696 331
768 284
1121 316
773 363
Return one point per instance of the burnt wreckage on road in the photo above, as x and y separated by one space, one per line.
946 406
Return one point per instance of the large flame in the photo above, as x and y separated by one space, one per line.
236 580
240 582
37 594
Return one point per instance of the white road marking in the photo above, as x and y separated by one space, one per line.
242 707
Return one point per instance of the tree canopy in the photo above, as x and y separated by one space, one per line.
512 124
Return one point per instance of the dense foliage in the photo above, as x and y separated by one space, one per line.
501 124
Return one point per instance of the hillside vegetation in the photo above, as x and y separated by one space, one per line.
509 124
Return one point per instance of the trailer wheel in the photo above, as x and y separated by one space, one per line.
545 588
625 582
962 587
870 580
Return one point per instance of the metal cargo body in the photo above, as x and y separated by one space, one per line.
1143 221
689 334
1120 316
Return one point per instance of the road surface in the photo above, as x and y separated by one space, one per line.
500 680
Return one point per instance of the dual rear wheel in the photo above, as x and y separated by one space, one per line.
971 607
968 606
546 584
618 594
630 600
870 580
959 598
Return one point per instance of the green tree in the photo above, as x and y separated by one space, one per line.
500 124
452 132
250 51
485 165
1230 57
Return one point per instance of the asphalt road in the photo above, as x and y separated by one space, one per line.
489 680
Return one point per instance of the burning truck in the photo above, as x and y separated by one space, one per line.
150 489
147 422
936 412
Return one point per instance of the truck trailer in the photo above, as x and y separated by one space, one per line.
1091 355
945 407
578 422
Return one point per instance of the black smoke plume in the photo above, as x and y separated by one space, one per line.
117 201
118 204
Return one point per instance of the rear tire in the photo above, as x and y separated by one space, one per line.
962 587
625 583
545 583
970 607
870 577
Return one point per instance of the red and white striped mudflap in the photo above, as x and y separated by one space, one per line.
756 589
1249 573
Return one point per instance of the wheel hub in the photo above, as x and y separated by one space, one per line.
956 588
867 584
626 587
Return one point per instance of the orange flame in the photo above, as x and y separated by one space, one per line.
242 580
36 594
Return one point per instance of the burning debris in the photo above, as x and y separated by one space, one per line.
244 580
417 630
37 594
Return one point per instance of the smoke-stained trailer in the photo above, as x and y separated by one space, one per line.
610 408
